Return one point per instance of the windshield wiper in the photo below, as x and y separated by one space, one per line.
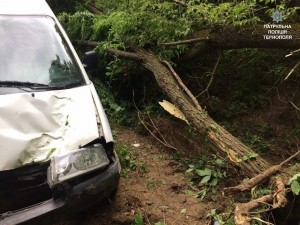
38 86
19 84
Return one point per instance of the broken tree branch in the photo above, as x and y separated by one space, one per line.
86 43
242 209
187 91
188 41
278 199
211 78
123 54
225 143
292 53
260 177
294 106
292 70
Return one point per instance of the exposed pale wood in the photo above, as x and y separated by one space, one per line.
273 201
260 177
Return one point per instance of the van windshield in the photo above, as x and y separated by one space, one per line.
33 51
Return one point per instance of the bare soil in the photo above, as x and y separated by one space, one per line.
158 194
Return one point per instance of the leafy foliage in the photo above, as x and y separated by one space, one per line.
129 161
79 26
119 113
149 22
138 220
235 13
295 184
207 174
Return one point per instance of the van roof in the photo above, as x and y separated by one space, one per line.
25 7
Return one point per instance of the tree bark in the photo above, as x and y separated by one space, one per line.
231 37
226 144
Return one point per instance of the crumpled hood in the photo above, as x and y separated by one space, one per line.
36 126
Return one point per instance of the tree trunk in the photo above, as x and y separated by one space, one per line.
226 144
231 37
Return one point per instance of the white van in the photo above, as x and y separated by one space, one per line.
56 145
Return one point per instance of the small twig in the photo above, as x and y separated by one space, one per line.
212 77
180 3
266 7
292 70
164 142
294 106
291 209
291 53
260 220
188 41
155 127
187 91
153 135
289 159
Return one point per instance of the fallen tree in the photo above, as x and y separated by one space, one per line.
229 37
225 143
225 38
214 39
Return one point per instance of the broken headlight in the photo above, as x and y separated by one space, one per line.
76 163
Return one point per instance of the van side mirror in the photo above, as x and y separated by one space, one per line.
90 60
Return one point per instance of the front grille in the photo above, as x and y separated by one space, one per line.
23 187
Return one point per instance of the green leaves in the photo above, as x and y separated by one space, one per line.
79 25
206 174
295 184
138 220
250 156
228 13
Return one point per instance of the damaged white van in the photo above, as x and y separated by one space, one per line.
56 145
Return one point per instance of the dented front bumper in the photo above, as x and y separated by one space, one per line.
76 198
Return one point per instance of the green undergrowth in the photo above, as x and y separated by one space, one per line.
206 174
139 220
129 161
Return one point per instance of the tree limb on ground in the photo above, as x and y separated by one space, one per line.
260 177
276 200
225 143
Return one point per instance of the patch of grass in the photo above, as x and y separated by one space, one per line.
129 161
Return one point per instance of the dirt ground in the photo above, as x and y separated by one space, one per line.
157 194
